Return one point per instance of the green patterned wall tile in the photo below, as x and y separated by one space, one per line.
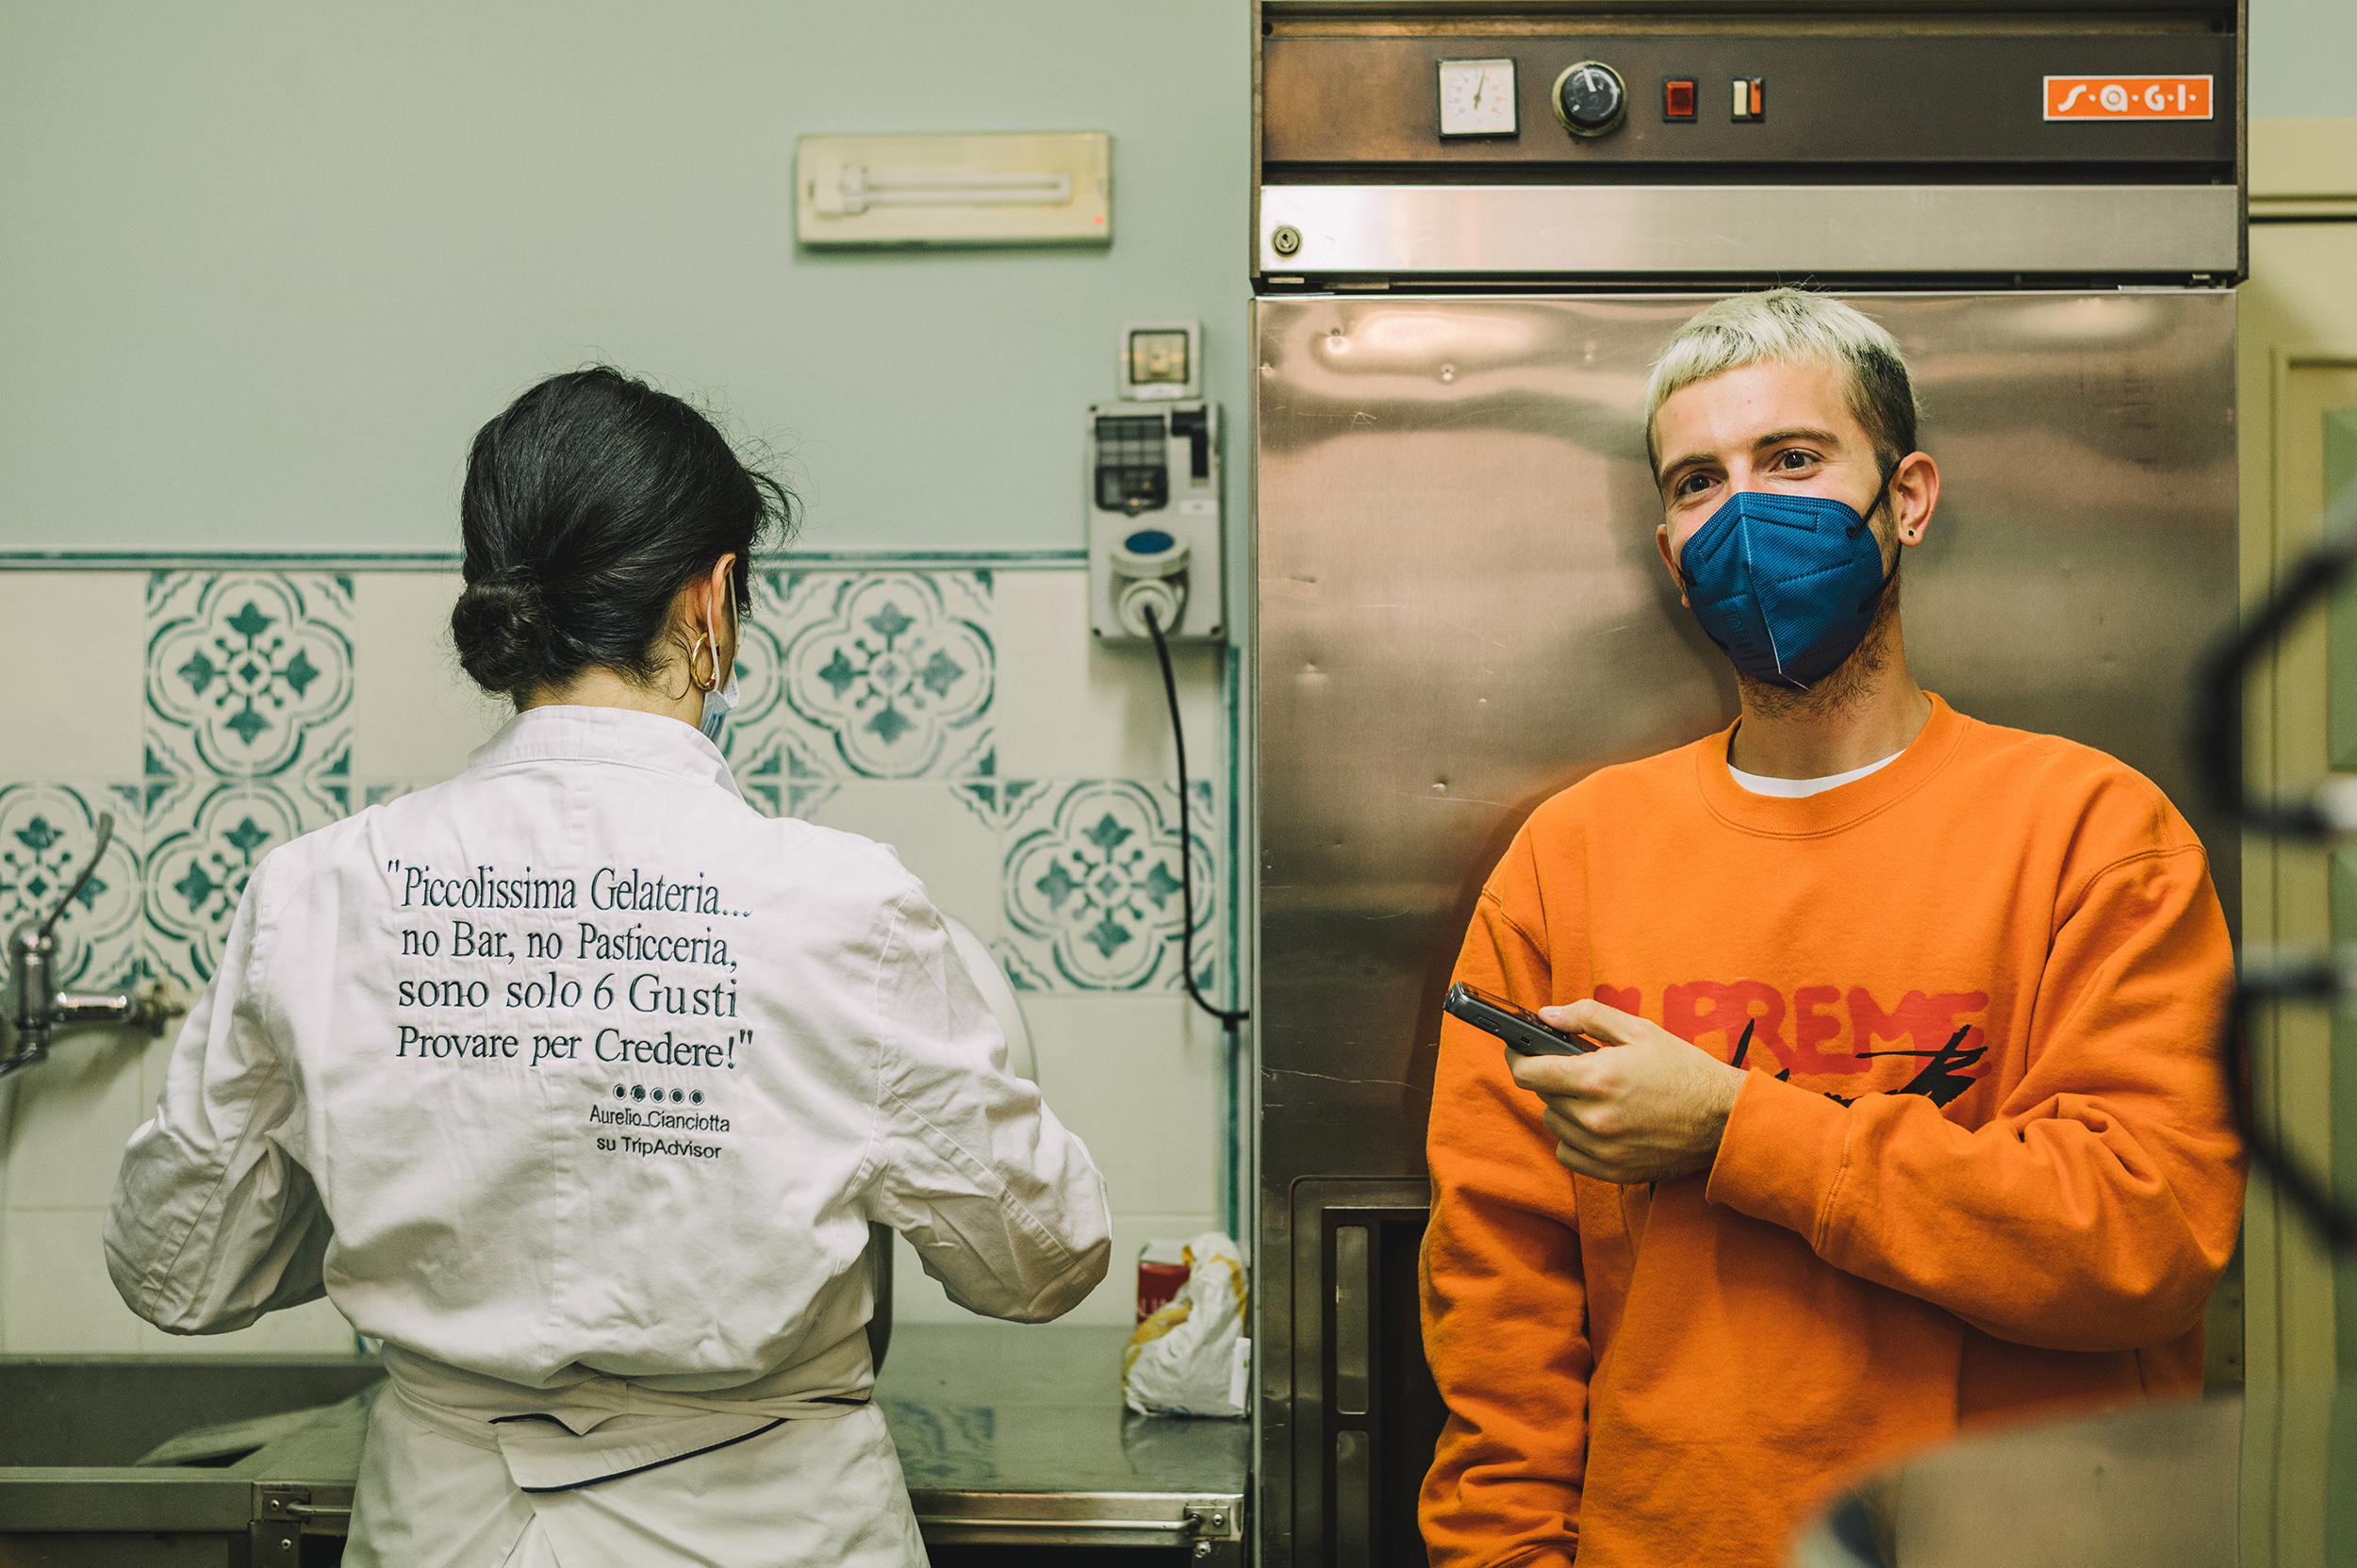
203 845
249 674
880 675
1090 882
47 832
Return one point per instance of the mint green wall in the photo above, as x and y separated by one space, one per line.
2301 57
268 265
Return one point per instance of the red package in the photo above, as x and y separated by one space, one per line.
1161 1272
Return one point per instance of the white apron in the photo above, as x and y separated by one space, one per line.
460 1471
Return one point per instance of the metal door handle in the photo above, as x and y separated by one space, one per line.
1352 1320
1354 1499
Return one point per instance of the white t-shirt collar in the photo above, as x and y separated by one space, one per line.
1800 789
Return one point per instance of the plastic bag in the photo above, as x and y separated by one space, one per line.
1191 1357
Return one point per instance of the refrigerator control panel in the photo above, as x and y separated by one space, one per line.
1456 103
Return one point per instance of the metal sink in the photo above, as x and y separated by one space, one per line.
179 1460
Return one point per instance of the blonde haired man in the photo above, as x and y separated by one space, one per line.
1907 1118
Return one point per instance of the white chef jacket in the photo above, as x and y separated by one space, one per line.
577 1081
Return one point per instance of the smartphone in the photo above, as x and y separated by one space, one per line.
1518 1026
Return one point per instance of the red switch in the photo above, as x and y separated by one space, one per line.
1678 99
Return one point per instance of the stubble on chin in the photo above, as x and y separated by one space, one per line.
1849 683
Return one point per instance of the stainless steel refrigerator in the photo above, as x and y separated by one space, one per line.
1461 609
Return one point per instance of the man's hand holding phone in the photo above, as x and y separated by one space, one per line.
1650 1107
1522 1031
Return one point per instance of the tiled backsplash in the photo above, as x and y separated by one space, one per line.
966 717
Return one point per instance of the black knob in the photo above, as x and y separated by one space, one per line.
1591 99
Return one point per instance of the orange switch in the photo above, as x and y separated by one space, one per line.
1678 98
1747 99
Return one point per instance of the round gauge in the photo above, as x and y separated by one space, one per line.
1591 99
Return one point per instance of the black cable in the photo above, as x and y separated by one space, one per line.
2219 761
2314 1199
1228 1019
2217 723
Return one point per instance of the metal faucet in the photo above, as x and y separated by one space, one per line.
41 1008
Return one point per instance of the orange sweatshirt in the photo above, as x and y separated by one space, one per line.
1982 1163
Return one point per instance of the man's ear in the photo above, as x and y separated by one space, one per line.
1661 539
1914 496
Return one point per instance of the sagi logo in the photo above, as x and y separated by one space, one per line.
2128 98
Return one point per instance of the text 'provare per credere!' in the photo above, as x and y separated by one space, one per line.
609 1045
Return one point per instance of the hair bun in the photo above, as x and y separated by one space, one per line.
501 628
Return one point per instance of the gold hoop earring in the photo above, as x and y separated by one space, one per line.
704 683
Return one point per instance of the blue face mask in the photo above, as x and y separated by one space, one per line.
1786 584
720 700
715 710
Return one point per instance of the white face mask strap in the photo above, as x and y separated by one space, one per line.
722 695
712 633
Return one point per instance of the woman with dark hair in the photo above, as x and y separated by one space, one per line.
578 1082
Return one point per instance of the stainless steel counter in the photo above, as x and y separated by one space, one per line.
265 1477
1008 1437
1017 1437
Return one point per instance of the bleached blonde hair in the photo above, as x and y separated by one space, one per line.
1792 326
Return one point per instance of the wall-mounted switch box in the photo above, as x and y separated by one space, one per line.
982 190
1161 360
1154 520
